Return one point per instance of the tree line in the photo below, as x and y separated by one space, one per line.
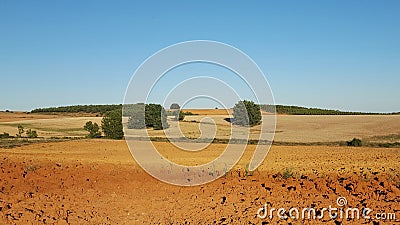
280 109
140 115
151 115
79 109
298 110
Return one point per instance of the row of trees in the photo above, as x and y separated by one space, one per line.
246 113
140 116
151 116
297 110
91 108
280 109
80 109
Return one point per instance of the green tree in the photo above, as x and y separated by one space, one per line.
20 130
355 142
156 117
31 133
147 115
5 135
174 106
93 129
111 124
136 116
246 113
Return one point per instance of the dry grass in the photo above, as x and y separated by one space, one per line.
317 160
334 128
302 129
81 180
18 116
54 127
305 129
209 111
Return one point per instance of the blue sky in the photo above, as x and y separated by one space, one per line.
329 54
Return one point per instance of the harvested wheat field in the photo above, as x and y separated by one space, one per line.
314 128
224 112
197 112
47 125
98 182
302 129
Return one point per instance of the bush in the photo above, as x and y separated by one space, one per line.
188 113
181 116
93 129
20 130
5 135
355 142
111 124
31 133
288 173
246 113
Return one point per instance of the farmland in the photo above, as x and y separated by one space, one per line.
315 128
97 181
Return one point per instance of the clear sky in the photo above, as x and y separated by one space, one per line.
329 54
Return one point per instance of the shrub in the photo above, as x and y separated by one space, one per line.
111 124
246 113
247 171
20 130
355 142
31 133
93 129
188 113
181 116
5 135
288 173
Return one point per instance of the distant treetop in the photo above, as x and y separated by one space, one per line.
174 106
